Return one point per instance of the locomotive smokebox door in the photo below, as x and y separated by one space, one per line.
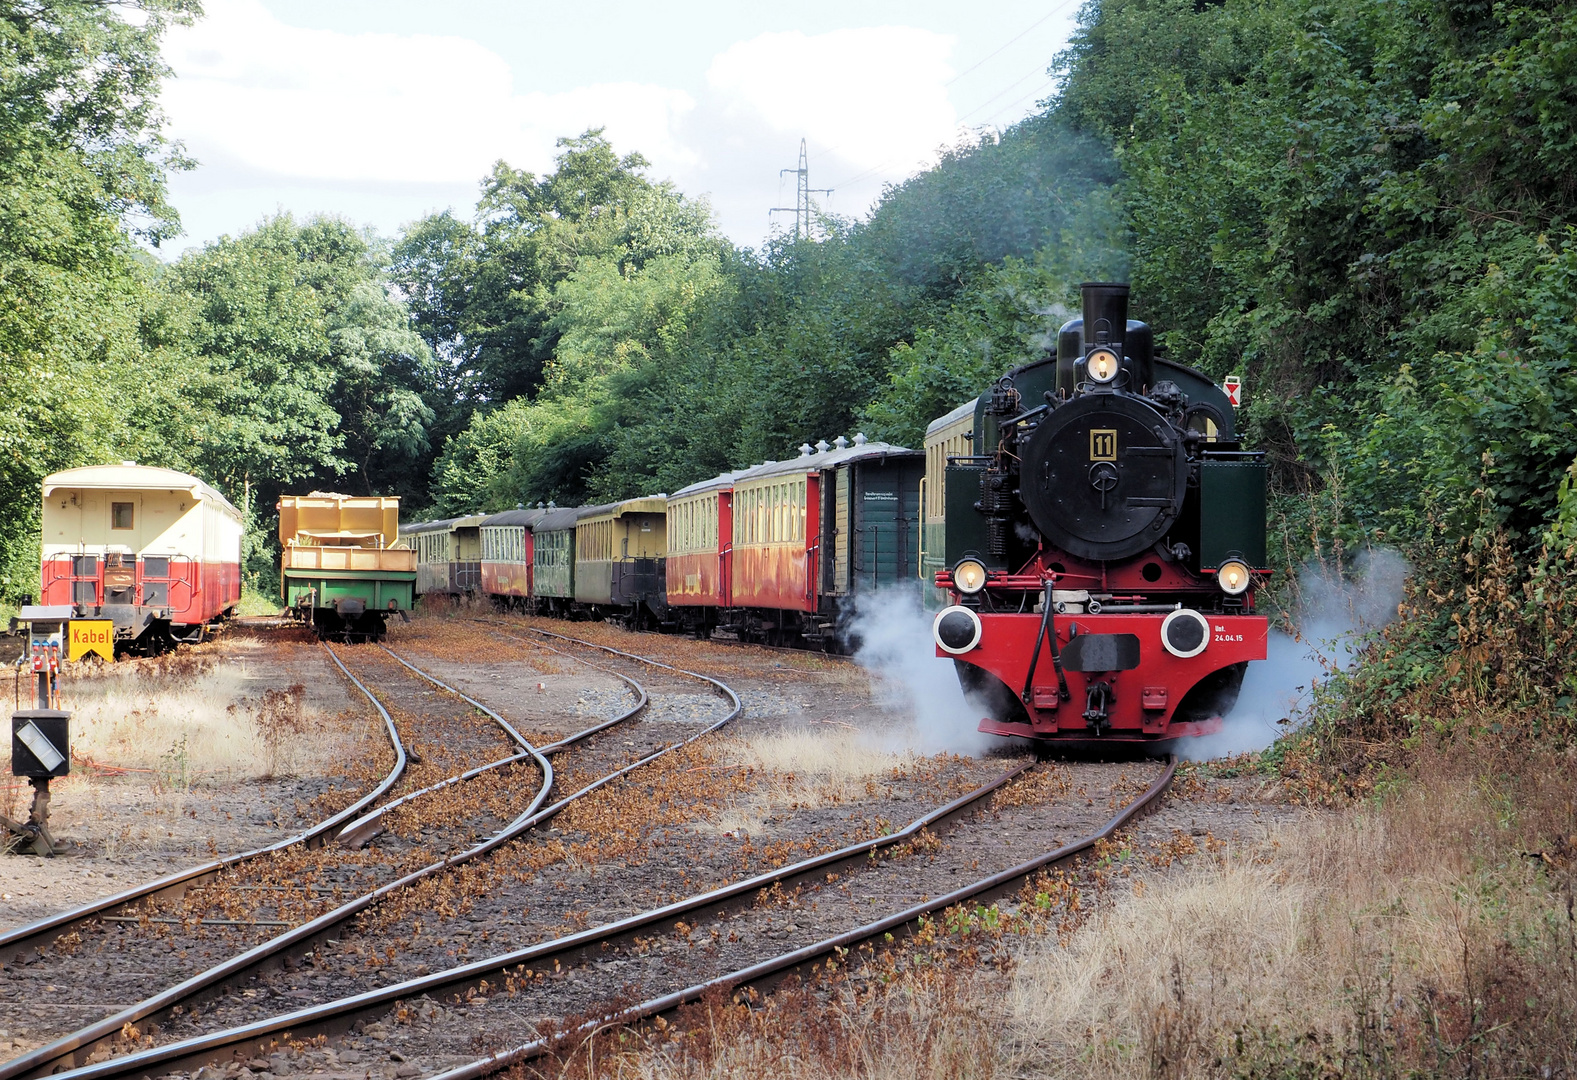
40 743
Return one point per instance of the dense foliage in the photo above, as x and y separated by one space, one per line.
647 353
82 166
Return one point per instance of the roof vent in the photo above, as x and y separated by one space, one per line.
129 464
804 449
859 438
520 506
541 505
552 505
841 443
821 446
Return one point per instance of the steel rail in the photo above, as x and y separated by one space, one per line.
72 1050
335 1017
44 931
778 967
364 828
361 831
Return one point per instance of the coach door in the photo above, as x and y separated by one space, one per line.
842 532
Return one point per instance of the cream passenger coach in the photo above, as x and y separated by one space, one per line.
154 551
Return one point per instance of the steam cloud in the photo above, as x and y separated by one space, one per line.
894 635
1335 619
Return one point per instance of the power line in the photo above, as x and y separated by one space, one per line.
1006 90
981 62
1047 85
1011 41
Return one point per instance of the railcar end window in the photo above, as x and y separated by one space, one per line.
121 515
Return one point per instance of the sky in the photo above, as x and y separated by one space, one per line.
382 111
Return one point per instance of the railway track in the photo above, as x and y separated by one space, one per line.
252 909
720 938
36 935
287 949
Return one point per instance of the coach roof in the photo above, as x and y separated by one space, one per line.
528 518
131 477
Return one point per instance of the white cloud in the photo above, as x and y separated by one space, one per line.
383 108
870 95
382 127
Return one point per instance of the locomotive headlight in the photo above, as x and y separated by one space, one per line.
1234 577
969 577
956 630
1102 365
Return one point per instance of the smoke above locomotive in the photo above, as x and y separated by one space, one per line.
1097 534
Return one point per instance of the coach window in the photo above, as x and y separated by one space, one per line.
120 515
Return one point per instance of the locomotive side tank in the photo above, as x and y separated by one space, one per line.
154 551
946 437
1105 533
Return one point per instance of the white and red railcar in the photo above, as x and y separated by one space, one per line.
155 551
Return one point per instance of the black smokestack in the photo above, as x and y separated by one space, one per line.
1105 311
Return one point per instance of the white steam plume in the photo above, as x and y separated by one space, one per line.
1334 620
894 635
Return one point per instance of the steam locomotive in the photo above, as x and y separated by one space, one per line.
1101 535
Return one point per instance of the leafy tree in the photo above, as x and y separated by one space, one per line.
303 371
483 293
1348 205
82 166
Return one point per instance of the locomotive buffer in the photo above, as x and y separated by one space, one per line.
40 737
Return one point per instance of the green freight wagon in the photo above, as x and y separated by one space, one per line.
343 569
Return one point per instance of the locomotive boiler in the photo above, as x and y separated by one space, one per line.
1103 533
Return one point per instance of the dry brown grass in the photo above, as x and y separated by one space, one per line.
1432 934
802 769
1429 933
198 713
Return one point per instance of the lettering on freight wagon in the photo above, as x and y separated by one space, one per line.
881 496
91 636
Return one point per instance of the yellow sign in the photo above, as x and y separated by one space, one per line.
1103 445
91 636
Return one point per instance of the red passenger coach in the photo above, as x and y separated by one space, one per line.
780 552
777 536
506 555
154 551
700 542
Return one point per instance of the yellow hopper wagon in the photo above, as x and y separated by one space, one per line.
343 568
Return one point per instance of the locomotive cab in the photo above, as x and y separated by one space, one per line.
1104 537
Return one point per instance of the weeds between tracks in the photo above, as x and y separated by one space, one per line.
1429 933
